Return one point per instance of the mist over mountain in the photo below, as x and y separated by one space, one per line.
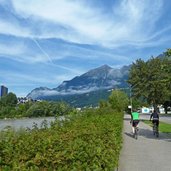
100 79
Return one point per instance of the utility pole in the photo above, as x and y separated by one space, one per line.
130 91
130 95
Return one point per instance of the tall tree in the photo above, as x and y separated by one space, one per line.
167 67
150 80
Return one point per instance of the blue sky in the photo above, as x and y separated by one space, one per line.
43 43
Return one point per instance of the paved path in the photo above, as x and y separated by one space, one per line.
147 153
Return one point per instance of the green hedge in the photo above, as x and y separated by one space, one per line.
89 141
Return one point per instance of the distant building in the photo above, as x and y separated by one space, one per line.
3 91
26 99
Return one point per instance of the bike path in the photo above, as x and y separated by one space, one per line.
148 153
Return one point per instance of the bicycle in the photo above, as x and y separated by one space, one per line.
155 129
136 129
136 133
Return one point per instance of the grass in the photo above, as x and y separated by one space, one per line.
163 127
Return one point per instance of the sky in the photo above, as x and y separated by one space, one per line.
43 42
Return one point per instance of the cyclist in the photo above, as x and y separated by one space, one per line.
155 117
134 120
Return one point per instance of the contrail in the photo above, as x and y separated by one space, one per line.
37 43
50 59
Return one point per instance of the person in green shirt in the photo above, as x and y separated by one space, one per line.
134 120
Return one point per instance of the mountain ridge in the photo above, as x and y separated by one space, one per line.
100 78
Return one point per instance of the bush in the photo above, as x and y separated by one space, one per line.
89 141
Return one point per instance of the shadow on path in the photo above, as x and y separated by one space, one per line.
127 119
149 135
129 134
147 153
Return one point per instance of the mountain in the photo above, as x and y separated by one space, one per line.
89 84
99 78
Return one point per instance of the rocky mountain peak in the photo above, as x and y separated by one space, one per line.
98 72
103 77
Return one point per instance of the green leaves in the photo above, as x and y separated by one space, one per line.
34 109
118 100
89 141
150 80
9 100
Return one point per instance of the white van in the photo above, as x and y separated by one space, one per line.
145 110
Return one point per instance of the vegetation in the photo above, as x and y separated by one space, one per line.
88 140
9 108
91 141
163 127
7 104
81 100
118 100
10 99
151 80
45 108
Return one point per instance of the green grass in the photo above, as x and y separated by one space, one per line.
163 127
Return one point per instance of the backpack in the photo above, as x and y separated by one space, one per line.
155 115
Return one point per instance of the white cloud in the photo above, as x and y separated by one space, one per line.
9 49
13 28
89 24
134 17
132 23
20 52
38 93
83 19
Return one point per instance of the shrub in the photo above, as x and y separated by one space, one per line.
89 141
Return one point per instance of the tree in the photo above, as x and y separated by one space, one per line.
167 53
9 100
167 67
150 80
118 100
62 108
103 104
38 109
